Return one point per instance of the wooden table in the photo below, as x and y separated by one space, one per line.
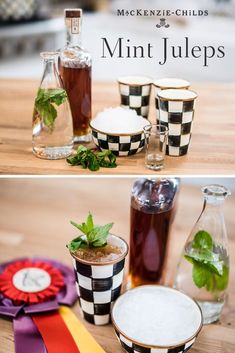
212 149
34 220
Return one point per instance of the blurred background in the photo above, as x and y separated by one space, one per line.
30 26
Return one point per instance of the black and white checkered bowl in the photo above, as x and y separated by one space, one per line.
121 143
176 111
156 319
99 284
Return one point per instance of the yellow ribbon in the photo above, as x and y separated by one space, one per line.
84 340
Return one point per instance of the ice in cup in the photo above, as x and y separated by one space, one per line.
156 319
135 93
176 112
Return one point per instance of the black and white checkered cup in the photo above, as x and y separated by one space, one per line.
176 111
156 319
167 83
99 284
135 93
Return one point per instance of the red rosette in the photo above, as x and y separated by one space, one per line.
18 296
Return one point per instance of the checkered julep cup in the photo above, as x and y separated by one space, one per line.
176 111
167 83
135 93
99 284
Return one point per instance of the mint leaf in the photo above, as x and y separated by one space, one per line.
201 274
44 104
209 269
89 222
82 227
93 160
106 159
208 258
202 240
49 115
95 236
221 282
98 235
77 243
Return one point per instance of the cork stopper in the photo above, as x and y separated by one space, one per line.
73 13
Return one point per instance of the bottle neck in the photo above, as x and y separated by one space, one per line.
213 205
73 39
50 77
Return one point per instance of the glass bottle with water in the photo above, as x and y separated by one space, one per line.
203 271
52 120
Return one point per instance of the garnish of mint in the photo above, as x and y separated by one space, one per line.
93 160
209 269
45 104
92 236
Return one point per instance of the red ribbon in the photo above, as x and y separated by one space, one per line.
56 336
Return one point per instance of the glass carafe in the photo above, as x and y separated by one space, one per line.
152 213
52 120
203 270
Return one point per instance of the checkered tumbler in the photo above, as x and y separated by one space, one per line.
131 347
98 286
178 117
136 97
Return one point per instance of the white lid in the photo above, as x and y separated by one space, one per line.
116 121
157 316
171 83
177 94
135 80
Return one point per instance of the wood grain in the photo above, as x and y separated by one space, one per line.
34 220
212 149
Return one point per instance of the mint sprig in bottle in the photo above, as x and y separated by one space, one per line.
52 131
203 271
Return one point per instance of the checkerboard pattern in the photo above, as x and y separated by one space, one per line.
136 97
135 348
120 145
157 110
98 287
178 117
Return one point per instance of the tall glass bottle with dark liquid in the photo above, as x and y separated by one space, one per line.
75 70
152 213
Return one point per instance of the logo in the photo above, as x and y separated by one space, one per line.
162 23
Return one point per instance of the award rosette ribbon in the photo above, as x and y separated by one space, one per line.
37 293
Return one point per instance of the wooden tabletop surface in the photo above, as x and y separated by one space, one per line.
34 221
212 149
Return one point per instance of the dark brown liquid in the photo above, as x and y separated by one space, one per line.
77 82
148 245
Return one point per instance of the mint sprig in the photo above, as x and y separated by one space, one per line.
93 160
209 270
44 104
92 235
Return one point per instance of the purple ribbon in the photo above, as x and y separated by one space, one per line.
27 336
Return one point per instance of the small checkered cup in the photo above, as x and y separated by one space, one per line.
135 93
167 83
99 283
176 112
